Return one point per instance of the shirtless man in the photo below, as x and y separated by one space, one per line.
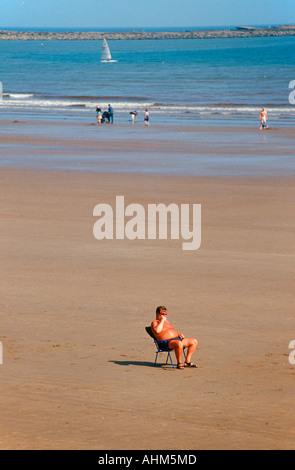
263 119
163 331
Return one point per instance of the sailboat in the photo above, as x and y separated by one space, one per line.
106 53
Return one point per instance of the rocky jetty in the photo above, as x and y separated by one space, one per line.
244 32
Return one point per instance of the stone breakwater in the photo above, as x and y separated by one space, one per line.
137 35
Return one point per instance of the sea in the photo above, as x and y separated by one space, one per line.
195 81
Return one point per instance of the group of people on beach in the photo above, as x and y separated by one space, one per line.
146 117
108 116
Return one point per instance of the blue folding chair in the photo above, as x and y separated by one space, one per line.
161 347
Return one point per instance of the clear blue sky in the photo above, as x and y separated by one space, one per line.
143 13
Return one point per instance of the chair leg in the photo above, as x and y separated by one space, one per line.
168 357
171 359
156 360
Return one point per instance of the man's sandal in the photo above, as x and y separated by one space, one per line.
180 365
190 364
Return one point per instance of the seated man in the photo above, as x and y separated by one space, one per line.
163 331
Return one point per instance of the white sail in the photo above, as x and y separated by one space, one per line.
106 53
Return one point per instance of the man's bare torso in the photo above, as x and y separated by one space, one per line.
168 332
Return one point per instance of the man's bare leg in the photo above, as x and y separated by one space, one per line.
191 345
177 346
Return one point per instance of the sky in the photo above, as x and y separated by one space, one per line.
107 14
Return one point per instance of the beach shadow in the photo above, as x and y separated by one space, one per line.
135 363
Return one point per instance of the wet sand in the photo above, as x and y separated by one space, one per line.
78 369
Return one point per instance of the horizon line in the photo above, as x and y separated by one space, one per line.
141 28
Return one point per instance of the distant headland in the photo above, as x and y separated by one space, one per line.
238 32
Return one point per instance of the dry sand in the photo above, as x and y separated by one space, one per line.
78 368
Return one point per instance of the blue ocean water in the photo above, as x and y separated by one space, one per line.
203 80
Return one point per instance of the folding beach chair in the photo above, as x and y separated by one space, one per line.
161 347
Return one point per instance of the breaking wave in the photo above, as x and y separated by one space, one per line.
126 104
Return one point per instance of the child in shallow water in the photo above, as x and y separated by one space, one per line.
147 118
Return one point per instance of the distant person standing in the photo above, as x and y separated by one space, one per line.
263 119
98 114
147 118
133 116
111 114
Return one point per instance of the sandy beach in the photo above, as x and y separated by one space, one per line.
78 367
